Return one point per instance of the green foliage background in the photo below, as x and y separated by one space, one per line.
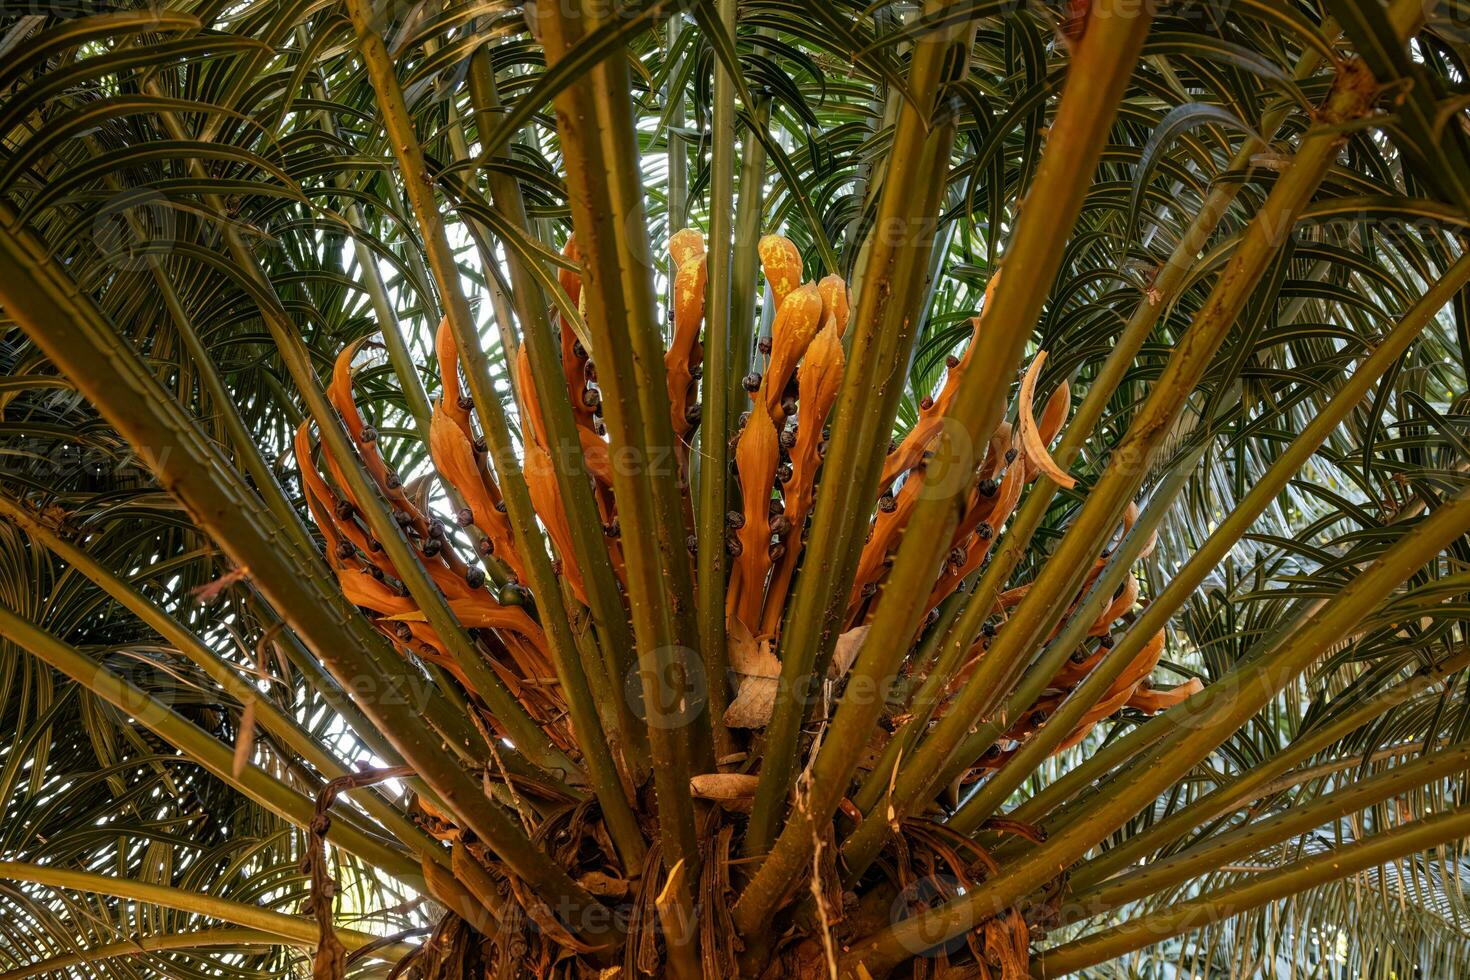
133 138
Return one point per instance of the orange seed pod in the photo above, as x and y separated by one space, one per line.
756 458
792 331
835 309
1031 441
782 264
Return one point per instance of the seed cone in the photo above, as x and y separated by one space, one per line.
777 467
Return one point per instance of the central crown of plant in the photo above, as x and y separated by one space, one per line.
790 391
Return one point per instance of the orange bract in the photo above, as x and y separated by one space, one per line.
782 264
777 457
797 319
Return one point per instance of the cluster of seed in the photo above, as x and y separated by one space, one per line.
777 457
512 641
778 450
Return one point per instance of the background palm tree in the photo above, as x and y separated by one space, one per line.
354 623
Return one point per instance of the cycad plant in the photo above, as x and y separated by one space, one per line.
734 488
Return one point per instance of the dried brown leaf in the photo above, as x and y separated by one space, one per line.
849 645
731 790
757 671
